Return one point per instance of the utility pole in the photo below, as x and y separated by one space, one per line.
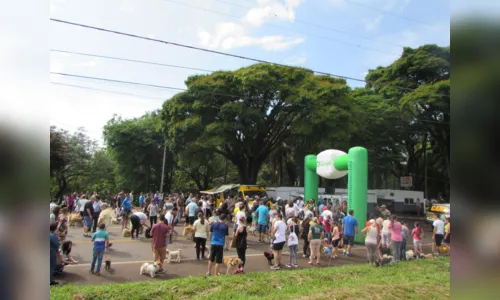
225 170
163 167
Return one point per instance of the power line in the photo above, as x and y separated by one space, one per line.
183 89
101 90
131 60
233 55
287 29
393 14
318 26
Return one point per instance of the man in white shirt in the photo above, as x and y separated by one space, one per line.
291 210
171 216
52 206
438 232
81 204
327 212
97 211
279 233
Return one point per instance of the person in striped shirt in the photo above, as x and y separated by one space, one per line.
101 242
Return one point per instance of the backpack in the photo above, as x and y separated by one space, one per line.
293 239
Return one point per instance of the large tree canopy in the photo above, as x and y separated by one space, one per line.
246 114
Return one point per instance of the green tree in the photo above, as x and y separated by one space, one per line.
247 114
70 159
418 85
136 146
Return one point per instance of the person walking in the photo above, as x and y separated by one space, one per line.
201 230
305 236
293 244
96 205
191 211
88 212
350 229
241 242
315 236
447 232
279 233
371 241
159 234
127 210
262 214
153 213
218 232
396 238
418 235
437 233
335 238
101 242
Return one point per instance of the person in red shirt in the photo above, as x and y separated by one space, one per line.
159 233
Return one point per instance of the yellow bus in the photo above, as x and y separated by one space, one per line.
222 192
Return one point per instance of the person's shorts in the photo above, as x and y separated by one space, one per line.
216 253
336 242
262 228
417 244
278 246
125 213
439 239
87 221
348 240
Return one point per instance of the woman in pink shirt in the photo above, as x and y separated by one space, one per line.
396 238
417 233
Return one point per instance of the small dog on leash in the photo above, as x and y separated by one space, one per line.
429 256
173 255
150 269
383 261
232 262
107 261
410 255
126 232
270 257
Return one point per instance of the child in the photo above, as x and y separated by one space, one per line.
418 234
335 238
404 234
101 242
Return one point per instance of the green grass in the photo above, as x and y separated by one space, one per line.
421 279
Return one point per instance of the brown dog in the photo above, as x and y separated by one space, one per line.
126 232
429 256
232 262
188 230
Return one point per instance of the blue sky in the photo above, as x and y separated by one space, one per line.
359 39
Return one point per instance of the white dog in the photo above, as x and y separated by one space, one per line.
175 255
410 255
150 269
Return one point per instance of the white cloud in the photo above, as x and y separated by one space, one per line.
386 5
372 23
298 59
229 35
269 9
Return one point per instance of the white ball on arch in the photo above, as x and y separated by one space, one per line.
325 166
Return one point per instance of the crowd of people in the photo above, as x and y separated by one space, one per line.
277 222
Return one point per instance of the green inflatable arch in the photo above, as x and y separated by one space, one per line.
334 164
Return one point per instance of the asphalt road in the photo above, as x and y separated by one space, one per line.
128 255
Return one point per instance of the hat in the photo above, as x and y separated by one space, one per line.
324 208
383 206
372 222
256 197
